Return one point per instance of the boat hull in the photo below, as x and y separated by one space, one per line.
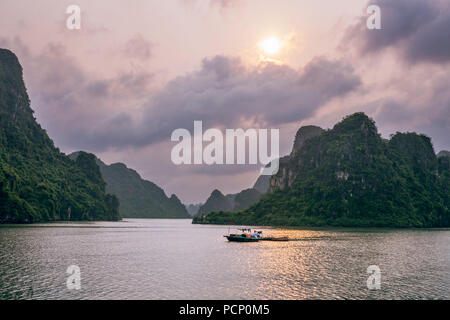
241 239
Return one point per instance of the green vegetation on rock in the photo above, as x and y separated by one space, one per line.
350 176
138 198
37 181
245 199
231 202
216 202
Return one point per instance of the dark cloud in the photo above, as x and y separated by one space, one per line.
225 93
70 101
434 121
83 111
423 106
409 99
432 42
418 29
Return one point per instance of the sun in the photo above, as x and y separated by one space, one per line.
270 45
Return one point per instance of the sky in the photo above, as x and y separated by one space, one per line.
137 70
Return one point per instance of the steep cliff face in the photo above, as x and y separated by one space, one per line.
37 181
288 168
262 184
138 198
350 176
286 175
303 134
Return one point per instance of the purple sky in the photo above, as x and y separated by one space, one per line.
138 70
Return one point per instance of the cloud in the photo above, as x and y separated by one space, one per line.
423 107
413 50
419 30
139 48
70 101
432 42
113 109
82 110
225 93
225 3
222 4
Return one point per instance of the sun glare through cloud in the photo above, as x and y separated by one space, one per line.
270 46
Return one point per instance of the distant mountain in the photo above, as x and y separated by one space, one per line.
350 176
245 199
231 202
216 202
262 184
138 198
37 181
192 209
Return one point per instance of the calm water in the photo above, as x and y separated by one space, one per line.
173 259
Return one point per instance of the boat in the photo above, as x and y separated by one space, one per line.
246 236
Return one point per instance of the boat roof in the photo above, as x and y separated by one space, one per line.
249 230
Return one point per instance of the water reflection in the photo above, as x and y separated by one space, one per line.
172 259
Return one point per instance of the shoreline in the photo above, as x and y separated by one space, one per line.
326 227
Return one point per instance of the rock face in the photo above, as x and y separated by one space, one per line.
231 202
262 184
37 181
138 198
288 169
245 199
350 176
303 134
285 176
216 202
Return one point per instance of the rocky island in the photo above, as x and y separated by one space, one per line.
351 176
